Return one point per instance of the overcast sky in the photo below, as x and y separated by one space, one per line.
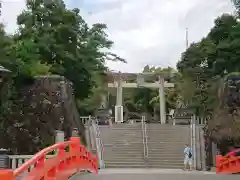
144 31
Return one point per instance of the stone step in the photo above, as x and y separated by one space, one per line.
166 141
132 152
153 135
151 127
165 166
157 136
150 134
151 157
122 146
167 135
149 141
116 149
162 166
165 152
118 135
124 150
121 131
174 159
148 129
157 129
134 141
117 128
165 162
117 155
166 146
154 151
107 152
165 158
123 165
128 160
167 126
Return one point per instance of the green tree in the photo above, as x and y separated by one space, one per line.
51 39
204 62
61 38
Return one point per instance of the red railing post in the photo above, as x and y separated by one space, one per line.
61 166
6 174
51 174
74 146
60 154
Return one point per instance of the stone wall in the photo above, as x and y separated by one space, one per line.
224 127
43 107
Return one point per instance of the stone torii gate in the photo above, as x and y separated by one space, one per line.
120 82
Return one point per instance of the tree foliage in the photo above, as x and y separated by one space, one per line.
205 65
51 39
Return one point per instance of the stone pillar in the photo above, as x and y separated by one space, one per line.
103 101
162 101
119 107
193 140
203 152
140 79
75 132
198 149
119 92
59 136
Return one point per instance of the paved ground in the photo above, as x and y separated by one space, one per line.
153 174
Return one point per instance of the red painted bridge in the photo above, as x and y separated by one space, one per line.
71 159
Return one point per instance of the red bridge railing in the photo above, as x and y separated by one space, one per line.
71 157
227 164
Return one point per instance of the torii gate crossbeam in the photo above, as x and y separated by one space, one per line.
119 84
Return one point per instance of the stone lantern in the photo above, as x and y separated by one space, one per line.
4 73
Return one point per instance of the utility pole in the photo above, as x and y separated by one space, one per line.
186 38
0 8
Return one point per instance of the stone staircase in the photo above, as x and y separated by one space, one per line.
124 148
165 145
123 145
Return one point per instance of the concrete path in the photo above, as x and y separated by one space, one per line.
153 174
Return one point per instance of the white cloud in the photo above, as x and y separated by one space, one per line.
153 32
144 31
10 10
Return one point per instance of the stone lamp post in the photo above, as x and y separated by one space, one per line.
4 74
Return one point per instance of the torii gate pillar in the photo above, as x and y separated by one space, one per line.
162 102
119 84
119 106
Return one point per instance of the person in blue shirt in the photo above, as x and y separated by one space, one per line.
187 157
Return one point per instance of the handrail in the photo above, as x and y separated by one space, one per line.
146 137
227 164
99 143
61 166
143 137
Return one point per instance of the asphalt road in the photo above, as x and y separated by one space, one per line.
153 174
